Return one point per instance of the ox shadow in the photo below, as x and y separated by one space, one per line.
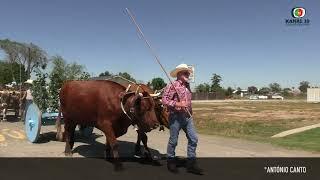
126 153
51 136
11 118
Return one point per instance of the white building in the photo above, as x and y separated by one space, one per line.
313 95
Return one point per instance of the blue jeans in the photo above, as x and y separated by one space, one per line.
177 122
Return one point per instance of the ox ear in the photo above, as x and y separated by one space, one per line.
121 94
137 101
145 94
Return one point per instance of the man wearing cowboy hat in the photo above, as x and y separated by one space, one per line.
177 97
27 98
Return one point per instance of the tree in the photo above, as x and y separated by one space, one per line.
264 90
238 91
216 79
229 91
33 57
275 87
39 90
304 85
57 77
203 88
157 83
30 55
126 76
12 50
60 73
106 73
11 72
286 92
74 71
84 76
252 89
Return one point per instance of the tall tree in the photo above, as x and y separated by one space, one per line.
106 73
238 91
74 71
157 83
30 55
11 72
39 90
252 89
216 79
286 92
127 76
57 77
229 91
203 88
304 85
264 91
275 87
61 72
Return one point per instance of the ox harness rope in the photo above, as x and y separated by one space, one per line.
121 103
159 107
132 109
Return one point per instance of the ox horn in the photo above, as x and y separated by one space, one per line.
155 95
137 90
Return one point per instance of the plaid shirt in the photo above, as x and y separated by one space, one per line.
170 98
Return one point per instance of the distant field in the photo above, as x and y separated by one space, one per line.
259 120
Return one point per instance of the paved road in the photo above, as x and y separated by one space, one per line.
14 144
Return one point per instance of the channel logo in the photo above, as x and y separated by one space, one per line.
298 12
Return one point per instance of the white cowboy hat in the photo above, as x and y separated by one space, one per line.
180 67
29 81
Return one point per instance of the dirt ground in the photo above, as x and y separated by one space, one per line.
13 143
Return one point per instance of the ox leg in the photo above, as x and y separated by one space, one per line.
69 136
114 147
4 112
144 139
115 154
107 154
148 155
137 149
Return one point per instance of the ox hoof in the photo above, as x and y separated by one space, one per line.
68 154
156 163
59 138
118 167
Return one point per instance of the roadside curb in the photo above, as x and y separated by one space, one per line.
294 131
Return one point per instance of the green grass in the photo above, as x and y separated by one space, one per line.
251 129
218 122
307 140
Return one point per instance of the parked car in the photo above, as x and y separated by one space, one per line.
277 97
262 97
253 97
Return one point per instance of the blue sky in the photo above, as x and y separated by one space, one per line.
246 42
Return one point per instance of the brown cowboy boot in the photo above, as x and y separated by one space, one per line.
192 167
172 166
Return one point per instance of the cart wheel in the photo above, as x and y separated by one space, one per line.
32 122
86 131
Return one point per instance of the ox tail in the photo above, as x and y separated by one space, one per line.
59 135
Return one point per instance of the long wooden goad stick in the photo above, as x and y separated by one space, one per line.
154 54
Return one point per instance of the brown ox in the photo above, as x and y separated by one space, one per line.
98 104
9 100
161 112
